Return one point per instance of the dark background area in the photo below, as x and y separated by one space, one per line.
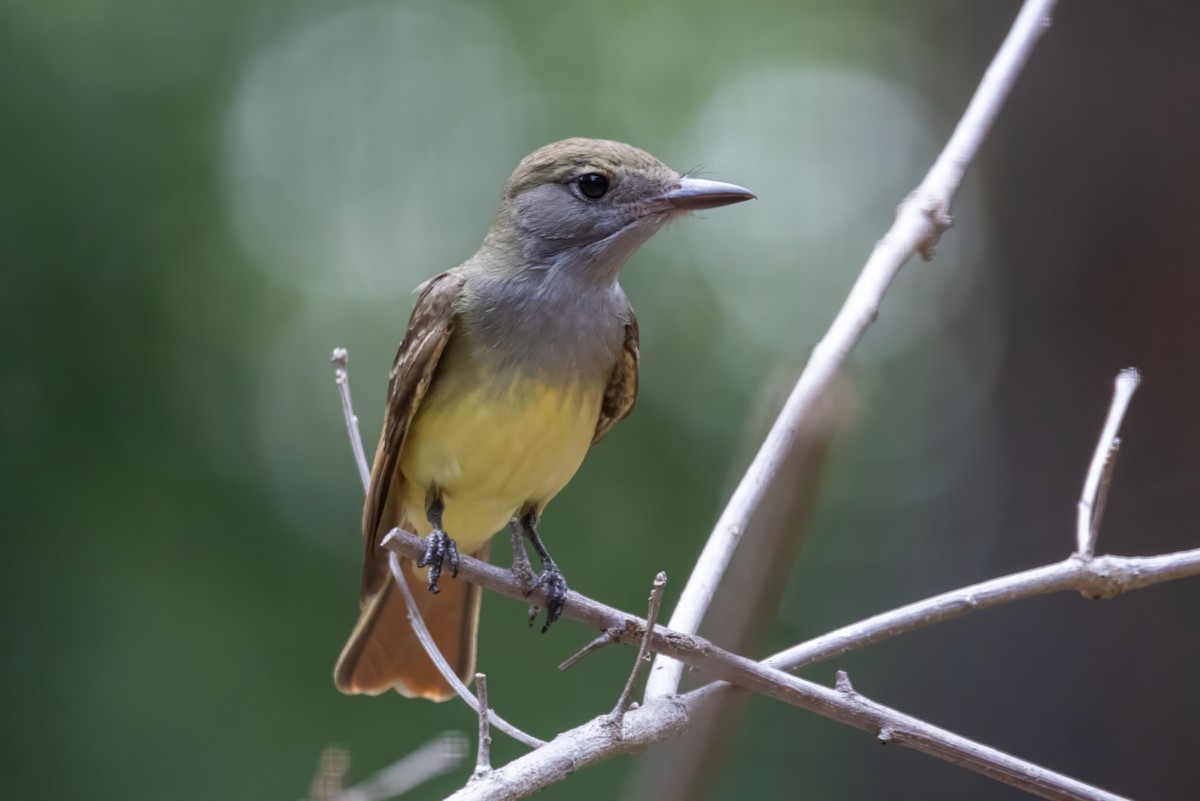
197 202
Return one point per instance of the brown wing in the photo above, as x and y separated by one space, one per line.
429 328
621 392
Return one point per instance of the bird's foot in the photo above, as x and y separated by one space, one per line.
439 549
551 581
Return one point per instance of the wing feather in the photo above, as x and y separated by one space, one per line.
621 391
429 328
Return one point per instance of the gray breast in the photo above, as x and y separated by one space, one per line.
545 323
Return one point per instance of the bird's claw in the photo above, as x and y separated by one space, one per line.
438 549
551 581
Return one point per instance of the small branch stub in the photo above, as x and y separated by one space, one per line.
609 636
483 757
341 377
1099 474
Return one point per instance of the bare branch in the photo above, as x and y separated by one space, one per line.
1101 577
750 593
643 653
920 221
483 757
667 717
341 376
440 755
891 726
332 767
576 749
423 635
610 636
1099 474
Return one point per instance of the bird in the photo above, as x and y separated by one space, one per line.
512 366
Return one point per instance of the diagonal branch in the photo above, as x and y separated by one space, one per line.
431 649
1102 577
920 221
440 755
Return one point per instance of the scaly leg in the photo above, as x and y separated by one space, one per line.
438 545
551 578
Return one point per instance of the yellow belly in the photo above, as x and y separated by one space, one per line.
491 450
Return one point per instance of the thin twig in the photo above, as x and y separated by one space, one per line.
1110 465
643 653
440 755
920 221
419 628
609 636
1095 485
341 375
483 757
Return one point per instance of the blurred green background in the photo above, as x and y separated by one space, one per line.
198 201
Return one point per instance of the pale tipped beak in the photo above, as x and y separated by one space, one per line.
694 194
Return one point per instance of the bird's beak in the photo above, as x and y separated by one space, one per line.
694 194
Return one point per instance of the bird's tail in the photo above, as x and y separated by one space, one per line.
383 653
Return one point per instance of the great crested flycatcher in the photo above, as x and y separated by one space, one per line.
513 364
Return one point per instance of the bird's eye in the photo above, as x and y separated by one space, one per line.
593 185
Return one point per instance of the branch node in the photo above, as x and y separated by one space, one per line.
1100 580
938 214
843 684
886 735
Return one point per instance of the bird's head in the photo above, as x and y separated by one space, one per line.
586 205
